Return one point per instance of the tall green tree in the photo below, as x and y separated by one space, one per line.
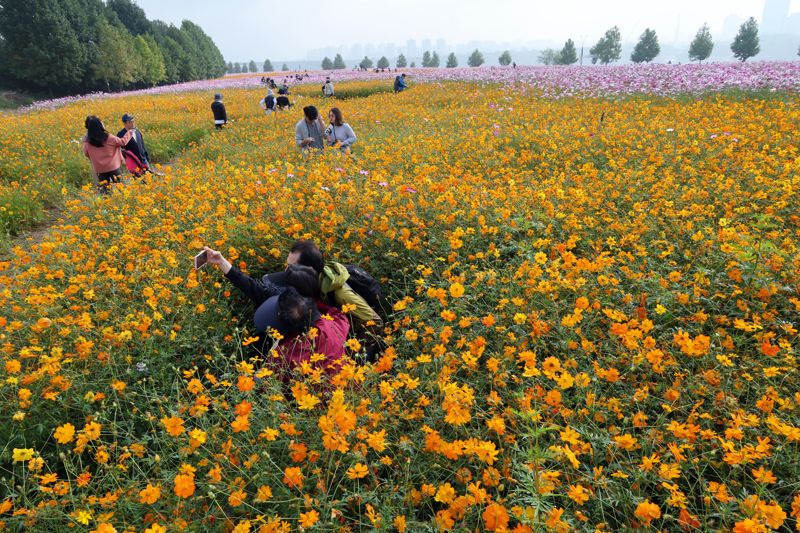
327 64
285 67
505 58
702 45
237 68
647 49
229 67
383 62
608 48
338 63
746 43
268 66
435 61
84 17
568 54
174 55
452 60
549 56
426 59
212 64
150 68
366 63
253 67
475 59
131 16
401 61
115 64
41 50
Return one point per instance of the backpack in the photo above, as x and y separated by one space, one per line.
367 287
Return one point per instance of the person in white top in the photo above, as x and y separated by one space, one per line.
339 132
327 89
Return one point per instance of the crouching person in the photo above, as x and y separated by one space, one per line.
292 309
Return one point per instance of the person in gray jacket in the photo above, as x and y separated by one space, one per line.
309 132
339 132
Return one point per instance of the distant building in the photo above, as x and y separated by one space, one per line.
731 26
411 49
775 17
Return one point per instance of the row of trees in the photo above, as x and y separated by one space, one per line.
609 48
69 46
429 59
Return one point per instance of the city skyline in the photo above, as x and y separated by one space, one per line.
675 24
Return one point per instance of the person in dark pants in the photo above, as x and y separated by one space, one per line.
136 144
218 108
104 152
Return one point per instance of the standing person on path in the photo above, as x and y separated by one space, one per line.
308 133
339 132
218 108
327 89
104 152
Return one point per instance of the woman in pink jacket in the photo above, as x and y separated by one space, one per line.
104 151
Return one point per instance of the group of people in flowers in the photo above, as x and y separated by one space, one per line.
108 153
333 299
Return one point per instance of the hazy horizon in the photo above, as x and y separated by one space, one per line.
245 30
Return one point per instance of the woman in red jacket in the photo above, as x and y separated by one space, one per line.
104 151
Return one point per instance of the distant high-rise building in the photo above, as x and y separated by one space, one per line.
776 12
731 26
411 48
441 46
426 45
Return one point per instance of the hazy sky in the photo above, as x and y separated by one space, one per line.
256 29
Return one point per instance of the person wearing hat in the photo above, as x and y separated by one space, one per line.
291 311
218 108
136 144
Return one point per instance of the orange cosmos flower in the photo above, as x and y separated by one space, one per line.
150 494
293 477
184 485
647 512
495 517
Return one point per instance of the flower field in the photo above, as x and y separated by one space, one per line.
593 326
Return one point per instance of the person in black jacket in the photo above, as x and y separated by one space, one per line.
136 144
218 108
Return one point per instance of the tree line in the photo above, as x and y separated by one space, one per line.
76 46
607 50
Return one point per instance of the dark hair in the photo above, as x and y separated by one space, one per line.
337 116
297 312
311 112
310 255
305 280
96 134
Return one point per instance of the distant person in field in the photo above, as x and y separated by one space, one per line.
218 108
339 133
400 83
327 89
104 152
268 103
308 133
136 144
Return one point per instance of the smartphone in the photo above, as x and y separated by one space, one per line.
200 260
